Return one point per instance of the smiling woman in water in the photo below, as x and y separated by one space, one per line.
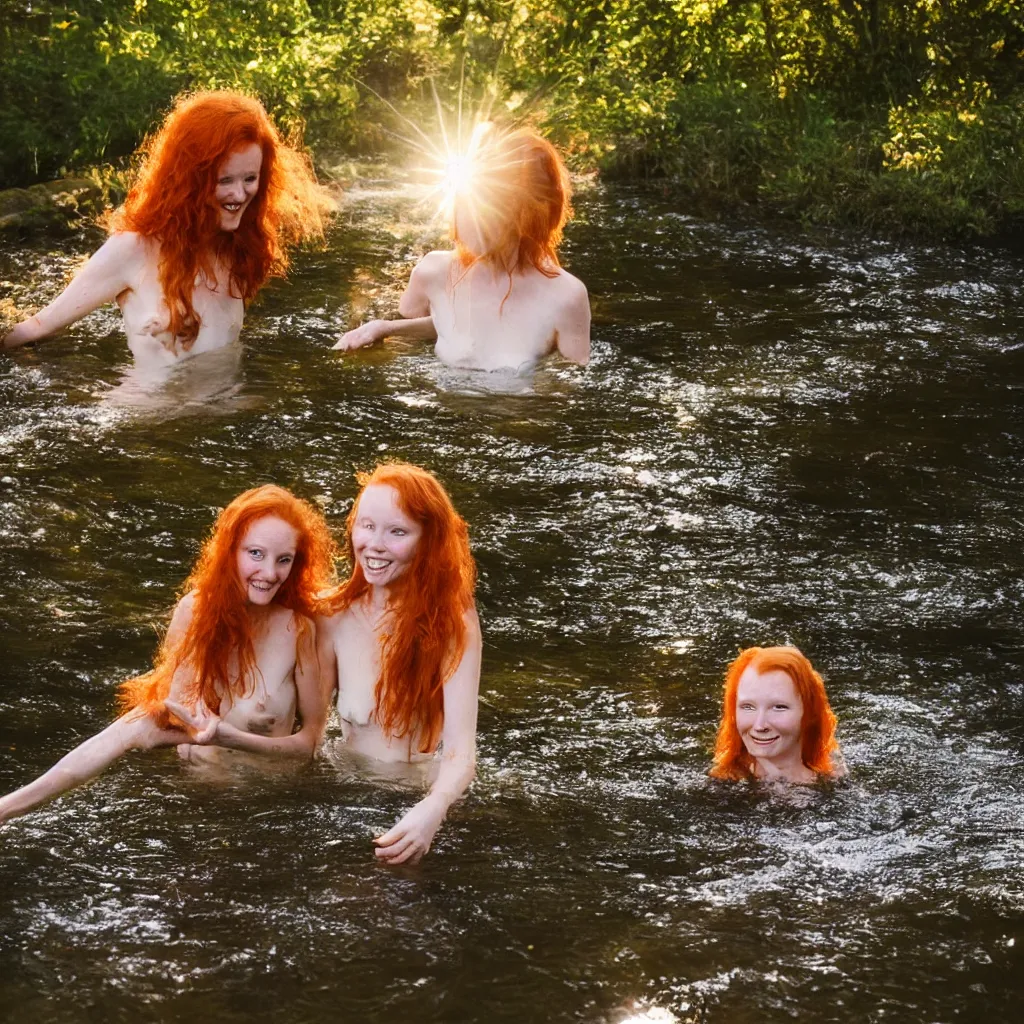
239 655
217 200
776 720
402 645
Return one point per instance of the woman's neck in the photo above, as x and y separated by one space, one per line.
377 600
259 615
790 770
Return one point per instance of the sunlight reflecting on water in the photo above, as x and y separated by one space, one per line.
779 439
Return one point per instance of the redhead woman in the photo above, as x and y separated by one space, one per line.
218 198
776 720
241 641
500 299
402 644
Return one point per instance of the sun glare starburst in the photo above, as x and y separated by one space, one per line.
450 154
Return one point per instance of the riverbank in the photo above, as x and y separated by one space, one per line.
897 119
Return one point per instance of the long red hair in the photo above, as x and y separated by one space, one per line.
817 728
217 646
426 635
517 193
172 201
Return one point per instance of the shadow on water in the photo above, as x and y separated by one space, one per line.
780 439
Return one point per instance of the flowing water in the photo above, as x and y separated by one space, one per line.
779 439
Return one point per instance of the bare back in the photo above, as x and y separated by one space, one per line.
486 320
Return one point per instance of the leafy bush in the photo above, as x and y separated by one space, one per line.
895 113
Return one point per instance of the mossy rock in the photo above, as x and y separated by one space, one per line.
51 205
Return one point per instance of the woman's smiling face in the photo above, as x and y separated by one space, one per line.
266 555
238 180
384 538
769 715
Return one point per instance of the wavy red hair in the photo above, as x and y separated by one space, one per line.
817 728
172 201
218 643
518 194
427 634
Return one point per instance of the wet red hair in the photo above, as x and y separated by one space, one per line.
172 201
427 634
218 643
518 190
817 728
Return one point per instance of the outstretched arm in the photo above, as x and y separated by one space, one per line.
133 731
410 839
378 330
108 273
413 307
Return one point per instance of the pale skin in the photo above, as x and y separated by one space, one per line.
286 683
384 540
126 270
769 714
487 317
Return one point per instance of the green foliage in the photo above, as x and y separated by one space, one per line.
902 114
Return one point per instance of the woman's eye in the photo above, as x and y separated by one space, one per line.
285 559
255 553
398 533
251 178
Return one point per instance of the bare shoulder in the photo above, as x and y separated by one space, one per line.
327 625
472 622
128 245
125 253
182 616
434 266
839 769
571 289
293 621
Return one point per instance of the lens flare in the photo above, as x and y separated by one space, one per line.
448 162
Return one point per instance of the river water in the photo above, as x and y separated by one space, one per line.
781 438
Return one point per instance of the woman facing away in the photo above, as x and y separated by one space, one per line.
241 641
776 720
218 198
500 299
402 643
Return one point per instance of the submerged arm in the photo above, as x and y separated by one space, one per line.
135 730
102 279
410 839
378 330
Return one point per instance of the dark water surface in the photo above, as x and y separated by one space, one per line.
780 439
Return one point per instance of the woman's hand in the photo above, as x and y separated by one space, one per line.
410 839
366 334
21 334
200 721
